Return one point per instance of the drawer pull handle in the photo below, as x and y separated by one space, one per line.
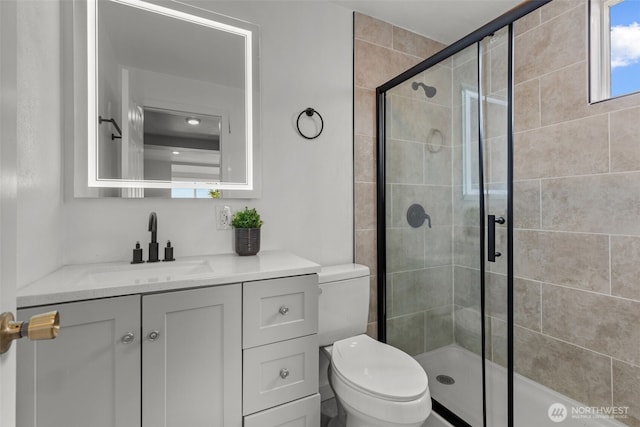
153 336
128 338
284 373
284 310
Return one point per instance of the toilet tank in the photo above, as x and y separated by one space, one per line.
343 302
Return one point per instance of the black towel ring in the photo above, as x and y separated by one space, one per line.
309 112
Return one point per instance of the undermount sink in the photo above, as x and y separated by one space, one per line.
146 273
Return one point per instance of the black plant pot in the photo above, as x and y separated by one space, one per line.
247 241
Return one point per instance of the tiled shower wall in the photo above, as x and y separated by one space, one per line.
381 51
418 171
577 218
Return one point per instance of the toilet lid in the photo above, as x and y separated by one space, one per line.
378 369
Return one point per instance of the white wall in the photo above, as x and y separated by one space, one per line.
306 61
39 130
8 205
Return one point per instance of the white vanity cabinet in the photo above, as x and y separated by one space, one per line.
93 374
280 352
212 341
88 375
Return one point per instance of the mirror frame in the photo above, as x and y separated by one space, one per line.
85 62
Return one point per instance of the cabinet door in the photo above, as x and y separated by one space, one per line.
191 358
90 374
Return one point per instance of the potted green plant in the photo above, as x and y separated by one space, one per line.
247 225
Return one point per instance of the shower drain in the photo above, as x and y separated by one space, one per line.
445 379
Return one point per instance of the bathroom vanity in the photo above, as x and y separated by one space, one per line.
206 341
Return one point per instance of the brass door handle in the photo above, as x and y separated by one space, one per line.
40 327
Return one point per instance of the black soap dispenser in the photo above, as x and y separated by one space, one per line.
168 252
137 254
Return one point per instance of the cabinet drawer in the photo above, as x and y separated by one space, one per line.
277 373
301 413
279 309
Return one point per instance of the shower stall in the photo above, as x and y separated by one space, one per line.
459 228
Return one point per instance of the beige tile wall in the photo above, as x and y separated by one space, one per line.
382 51
577 207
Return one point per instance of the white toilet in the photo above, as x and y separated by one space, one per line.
375 385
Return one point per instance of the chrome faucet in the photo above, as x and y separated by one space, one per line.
153 245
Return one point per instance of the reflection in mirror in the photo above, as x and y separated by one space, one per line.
174 92
614 48
495 110
180 146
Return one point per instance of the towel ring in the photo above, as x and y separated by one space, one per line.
309 112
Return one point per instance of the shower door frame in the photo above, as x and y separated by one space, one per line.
505 20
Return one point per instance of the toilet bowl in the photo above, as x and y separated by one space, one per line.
375 384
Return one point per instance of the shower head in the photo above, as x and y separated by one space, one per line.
429 91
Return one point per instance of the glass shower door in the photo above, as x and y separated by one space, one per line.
447 289
432 231
495 132
446 217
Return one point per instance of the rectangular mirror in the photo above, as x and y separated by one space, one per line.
172 100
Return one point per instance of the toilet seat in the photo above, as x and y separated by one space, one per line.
379 382
378 369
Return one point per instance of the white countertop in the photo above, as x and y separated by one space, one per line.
90 281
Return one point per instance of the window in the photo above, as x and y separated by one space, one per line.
189 193
615 48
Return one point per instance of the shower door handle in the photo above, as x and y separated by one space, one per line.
491 237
